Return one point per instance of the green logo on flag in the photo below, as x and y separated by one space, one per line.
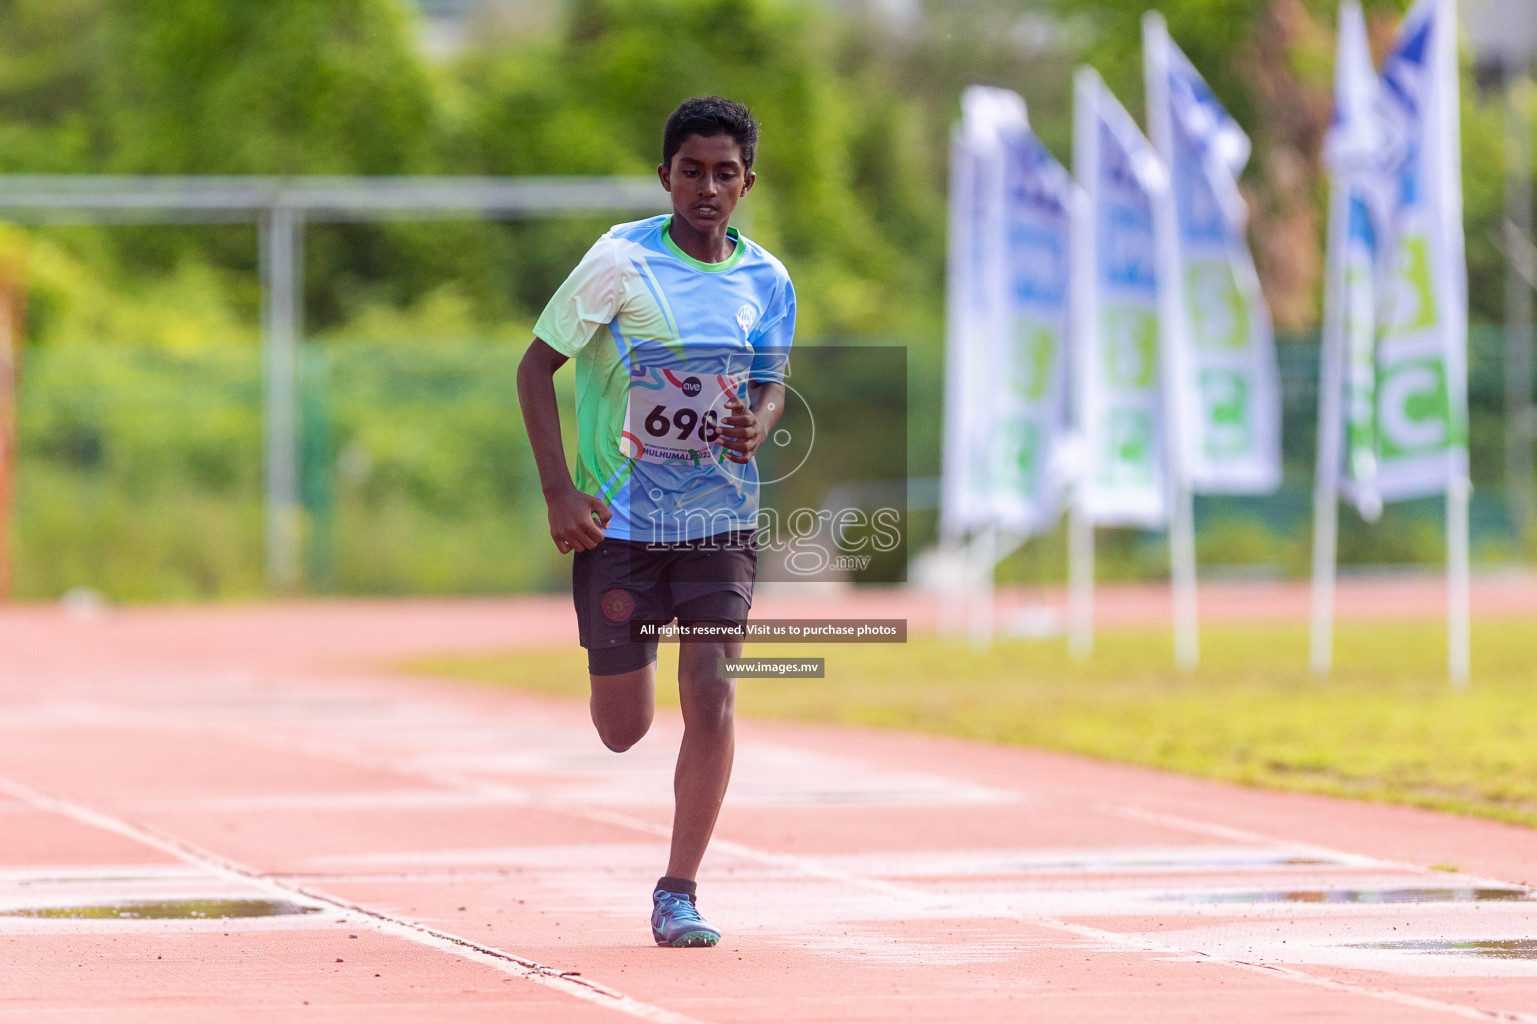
1131 346
1129 440
1225 400
1218 317
1414 408
1035 350
1412 305
1025 438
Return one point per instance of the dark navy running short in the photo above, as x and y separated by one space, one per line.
621 582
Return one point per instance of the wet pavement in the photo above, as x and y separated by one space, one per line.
238 815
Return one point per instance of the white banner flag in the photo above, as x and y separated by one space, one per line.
1008 303
1359 148
1031 384
1422 305
1393 409
1119 379
964 504
1233 436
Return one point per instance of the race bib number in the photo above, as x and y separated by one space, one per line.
673 416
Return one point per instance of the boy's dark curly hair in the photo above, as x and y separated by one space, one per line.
707 116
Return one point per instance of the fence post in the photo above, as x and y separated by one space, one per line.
317 464
282 238
1520 279
13 314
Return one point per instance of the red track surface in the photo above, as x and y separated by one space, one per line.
475 855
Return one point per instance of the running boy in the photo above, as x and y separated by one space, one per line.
680 329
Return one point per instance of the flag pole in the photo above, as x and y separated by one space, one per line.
954 561
1458 641
1347 318
1084 319
1326 496
1326 469
1080 584
1459 488
1173 336
982 569
13 298
1187 637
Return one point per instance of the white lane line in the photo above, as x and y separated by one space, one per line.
507 963
1244 835
930 902
426 799
917 898
1214 830
1290 974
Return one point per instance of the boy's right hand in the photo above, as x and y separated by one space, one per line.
572 523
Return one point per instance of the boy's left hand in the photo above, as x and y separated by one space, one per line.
740 433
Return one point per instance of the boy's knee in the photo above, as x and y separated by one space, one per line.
711 701
621 736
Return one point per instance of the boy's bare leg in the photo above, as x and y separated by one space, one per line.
623 706
704 759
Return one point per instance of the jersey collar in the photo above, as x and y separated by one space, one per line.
710 268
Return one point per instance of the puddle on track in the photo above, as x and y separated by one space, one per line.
1498 949
1466 894
169 910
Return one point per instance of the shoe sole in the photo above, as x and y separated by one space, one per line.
695 939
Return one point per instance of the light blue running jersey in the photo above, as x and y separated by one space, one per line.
638 312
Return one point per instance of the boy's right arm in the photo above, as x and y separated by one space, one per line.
572 511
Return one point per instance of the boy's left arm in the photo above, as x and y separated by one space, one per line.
751 422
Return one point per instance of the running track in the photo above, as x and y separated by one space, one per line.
453 853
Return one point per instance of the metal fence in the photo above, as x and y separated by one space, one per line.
140 474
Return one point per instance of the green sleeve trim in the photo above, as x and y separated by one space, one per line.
709 268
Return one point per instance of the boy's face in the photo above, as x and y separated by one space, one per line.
706 179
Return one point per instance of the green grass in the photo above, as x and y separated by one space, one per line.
1386 726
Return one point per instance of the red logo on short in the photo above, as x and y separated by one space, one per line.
618 605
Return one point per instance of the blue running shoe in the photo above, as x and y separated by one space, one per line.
675 922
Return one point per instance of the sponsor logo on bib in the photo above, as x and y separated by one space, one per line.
672 419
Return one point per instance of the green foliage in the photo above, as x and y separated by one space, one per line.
856 116
140 472
215 87
126 321
80 295
1385 726
851 169
141 464
593 102
227 87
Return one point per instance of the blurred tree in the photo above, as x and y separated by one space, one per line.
1272 63
279 87
49 56
229 87
856 112
594 102
282 87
